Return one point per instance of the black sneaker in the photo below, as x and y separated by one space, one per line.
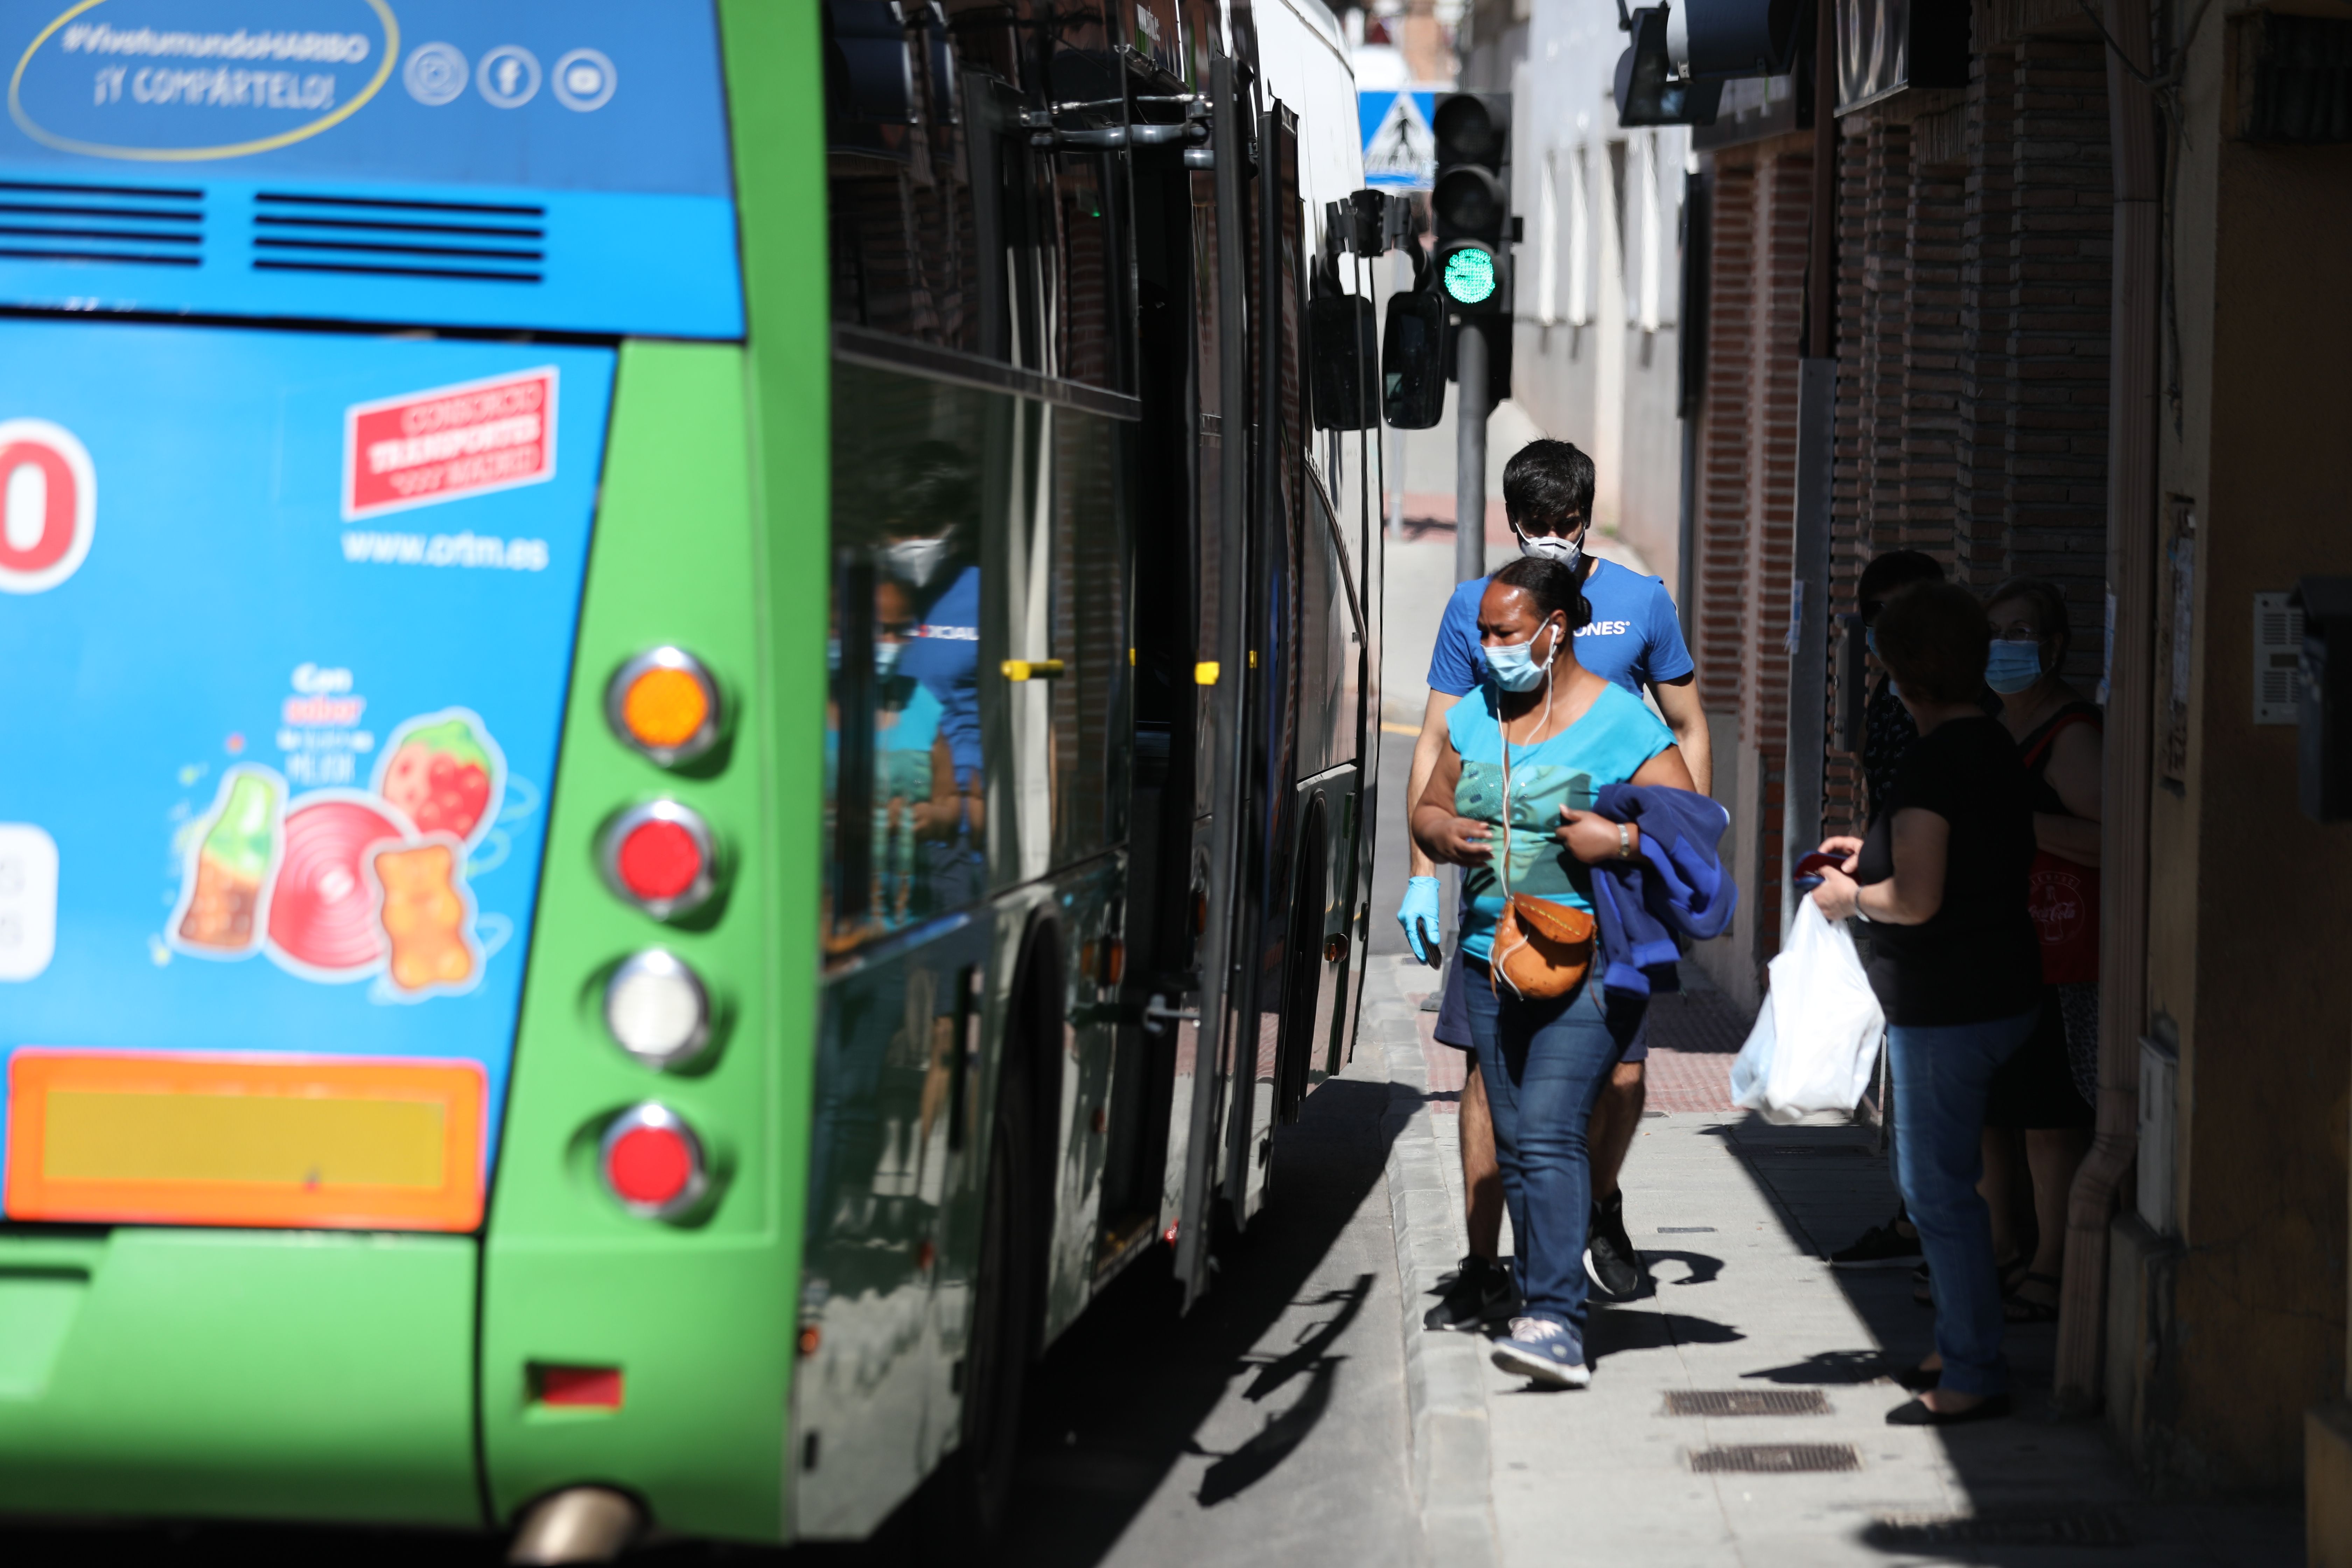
1881 1247
1615 1267
1477 1295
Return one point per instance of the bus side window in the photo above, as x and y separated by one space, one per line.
1087 281
893 155
906 819
1089 629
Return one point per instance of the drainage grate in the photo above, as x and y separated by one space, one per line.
1996 1529
1774 1458
1746 1402
1686 1230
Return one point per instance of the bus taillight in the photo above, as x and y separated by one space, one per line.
664 703
652 1161
660 857
657 1009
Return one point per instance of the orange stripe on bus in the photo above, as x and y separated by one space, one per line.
192 1138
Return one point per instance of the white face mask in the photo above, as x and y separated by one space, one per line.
1567 551
915 561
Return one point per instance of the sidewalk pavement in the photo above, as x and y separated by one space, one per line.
1735 1414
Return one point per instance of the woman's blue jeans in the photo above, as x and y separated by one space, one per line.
1544 1064
1941 1072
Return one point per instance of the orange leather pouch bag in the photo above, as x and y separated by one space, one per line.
1542 949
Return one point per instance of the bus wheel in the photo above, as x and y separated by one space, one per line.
996 1364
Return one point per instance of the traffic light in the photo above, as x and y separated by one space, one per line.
1470 203
1719 40
1648 89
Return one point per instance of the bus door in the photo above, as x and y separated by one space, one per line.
1222 666
1270 741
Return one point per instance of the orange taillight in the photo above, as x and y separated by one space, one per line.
665 703
664 708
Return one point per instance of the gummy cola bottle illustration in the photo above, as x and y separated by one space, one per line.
222 912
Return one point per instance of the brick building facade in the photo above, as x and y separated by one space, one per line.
1971 345
2049 361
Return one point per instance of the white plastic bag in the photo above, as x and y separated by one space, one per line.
1816 1040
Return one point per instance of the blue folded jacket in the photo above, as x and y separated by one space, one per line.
1674 891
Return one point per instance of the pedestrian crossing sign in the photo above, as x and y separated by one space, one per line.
1400 154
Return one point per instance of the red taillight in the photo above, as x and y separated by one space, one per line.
659 860
577 1387
653 1162
659 857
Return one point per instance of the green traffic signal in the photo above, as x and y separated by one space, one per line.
1469 275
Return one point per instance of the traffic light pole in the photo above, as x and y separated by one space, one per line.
1470 411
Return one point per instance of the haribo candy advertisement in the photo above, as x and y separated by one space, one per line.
287 768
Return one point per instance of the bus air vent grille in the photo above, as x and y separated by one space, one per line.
475 241
145 226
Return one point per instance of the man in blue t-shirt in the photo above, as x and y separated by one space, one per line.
1634 638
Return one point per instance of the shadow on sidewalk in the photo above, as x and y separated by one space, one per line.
2032 1483
1122 1396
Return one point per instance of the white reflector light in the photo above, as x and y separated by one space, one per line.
657 1009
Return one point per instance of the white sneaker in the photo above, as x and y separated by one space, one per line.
1544 1352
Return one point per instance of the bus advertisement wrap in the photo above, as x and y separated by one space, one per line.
532 164
293 792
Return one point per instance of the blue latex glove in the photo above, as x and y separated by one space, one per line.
1424 928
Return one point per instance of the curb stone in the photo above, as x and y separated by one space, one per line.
1445 1387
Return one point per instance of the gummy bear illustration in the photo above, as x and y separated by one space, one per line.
445 774
221 913
426 917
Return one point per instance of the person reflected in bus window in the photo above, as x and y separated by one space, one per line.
930 548
1633 640
906 733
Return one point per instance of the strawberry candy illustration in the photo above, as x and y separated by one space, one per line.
445 773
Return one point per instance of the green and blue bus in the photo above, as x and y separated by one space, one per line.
687 705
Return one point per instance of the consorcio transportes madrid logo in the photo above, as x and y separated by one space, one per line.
448 443
48 505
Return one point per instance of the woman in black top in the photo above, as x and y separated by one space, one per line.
1942 882
1887 733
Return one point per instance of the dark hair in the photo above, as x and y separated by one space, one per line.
2049 604
933 488
1547 483
1933 638
1894 570
1551 584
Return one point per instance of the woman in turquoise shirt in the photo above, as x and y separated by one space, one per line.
1568 734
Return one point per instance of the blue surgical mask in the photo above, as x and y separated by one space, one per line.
1515 666
885 655
1870 640
2011 666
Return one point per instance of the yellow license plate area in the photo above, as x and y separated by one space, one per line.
167 1137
